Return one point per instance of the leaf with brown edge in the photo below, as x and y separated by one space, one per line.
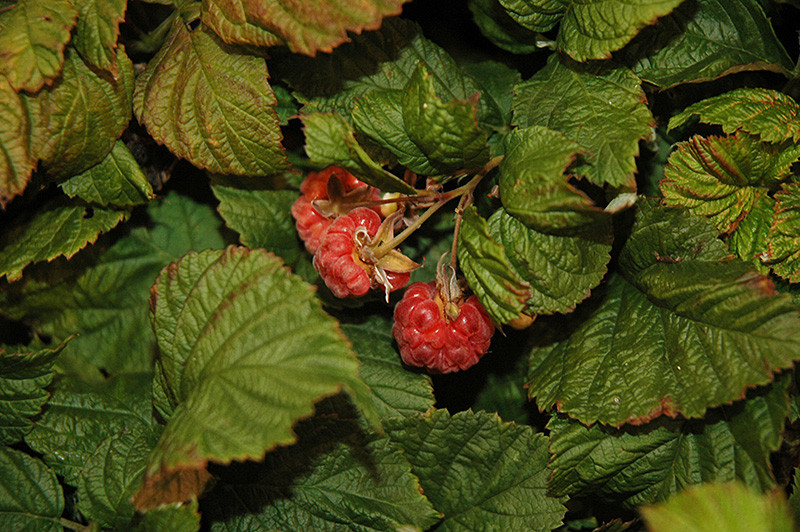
97 31
177 485
16 160
783 240
306 27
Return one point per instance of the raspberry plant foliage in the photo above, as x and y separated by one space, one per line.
605 192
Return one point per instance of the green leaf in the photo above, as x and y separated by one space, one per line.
667 455
210 104
245 350
560 270
749 239
17 161
83 115
334 477
25 372
330 140
505 394
657 341
97 31
539 15
181 516
704 40
305 29
31 499
56 229
33 34
485 265
116 180
395 390
723 177
479 472
496 82
534 187
608 123
783 240
731 507
768 114
103 294
497 26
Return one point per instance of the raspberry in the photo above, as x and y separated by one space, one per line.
439 335
343 258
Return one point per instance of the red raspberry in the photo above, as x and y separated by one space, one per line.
440 336
343 259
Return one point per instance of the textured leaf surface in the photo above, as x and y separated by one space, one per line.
665 456
245 350
783 240
705 39
305 27
116 180
768 114
102 294
496 25
16 160
210 104
97 30
749 240
33 34
177 516
395 390
334 477
534 187
83 115
658 340
561 270
30 496
480 472
54 230
712 507
601 109
24 374
485 265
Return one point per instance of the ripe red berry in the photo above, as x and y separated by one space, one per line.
343 258
439 335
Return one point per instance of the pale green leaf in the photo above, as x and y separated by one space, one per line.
210 104
783 240
31 499
731 507
33 34
17 162
485 265
658 340
245 350
116 180
56 229
665 456
307 29
599 107
705 39
479 472
97 30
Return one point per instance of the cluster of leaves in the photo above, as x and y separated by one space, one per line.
171 361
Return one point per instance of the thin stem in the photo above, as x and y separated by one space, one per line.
466 199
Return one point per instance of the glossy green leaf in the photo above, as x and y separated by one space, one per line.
560 270
534 186
97 30
31 499
538 15
245 350
496 25
305 28
25 372
83 115
395 390
600 108
705 39
33 34
783 240
667 455
657 339
17 161
720 506
57 229
485 265
102 294
330 140
335 476
479 472
749 239
210 104
768 114
116 180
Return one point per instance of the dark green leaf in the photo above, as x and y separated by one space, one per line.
17 161
749 239
783 240
33 34
210 104
666 455
30 496
497 26
181 516
97 31
538 15
479 472
496 82
505 394
601 108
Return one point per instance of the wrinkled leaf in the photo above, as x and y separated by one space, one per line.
783 240
497 26
749 240
97 31
17 162
31 499
181 516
